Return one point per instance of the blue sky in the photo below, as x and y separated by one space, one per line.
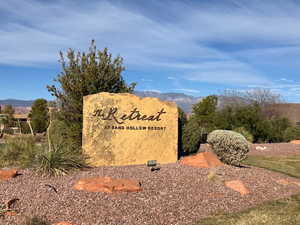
193 47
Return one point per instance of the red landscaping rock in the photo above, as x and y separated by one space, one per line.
7 174
282 182
107 184
297 183
63 223
295 142
238 186
10 213
286 182
202 160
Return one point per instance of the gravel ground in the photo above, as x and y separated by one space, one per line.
275 149
176 194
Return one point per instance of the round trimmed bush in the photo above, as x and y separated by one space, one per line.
245 133
231 147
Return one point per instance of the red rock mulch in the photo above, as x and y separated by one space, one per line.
174 195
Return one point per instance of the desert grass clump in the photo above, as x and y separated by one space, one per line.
20 152
58 156
230 147
59 160
35 220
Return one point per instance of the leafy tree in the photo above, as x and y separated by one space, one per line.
199 124
9 110
205 112
252 118
84 74
39 115
264 98
182 120
292 133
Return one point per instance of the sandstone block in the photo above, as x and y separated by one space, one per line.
124 129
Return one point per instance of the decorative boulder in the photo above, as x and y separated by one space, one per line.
7 174
238 186
63 223
107 184
202 160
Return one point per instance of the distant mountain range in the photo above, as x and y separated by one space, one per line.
183 101
16 102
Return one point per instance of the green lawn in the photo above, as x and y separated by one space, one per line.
289 165
282 212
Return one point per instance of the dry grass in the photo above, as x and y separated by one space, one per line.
283 212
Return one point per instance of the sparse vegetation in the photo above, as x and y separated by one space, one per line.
19 152
35 220
23 152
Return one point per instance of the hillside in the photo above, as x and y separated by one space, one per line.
183 101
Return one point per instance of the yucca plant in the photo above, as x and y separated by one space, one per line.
3 209
59 160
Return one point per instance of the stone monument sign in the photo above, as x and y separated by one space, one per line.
124 129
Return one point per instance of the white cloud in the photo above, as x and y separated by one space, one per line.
34 32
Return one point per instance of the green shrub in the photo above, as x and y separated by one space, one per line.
25 128
245 133
24 152
39 115
231 147
292 133
19 151
193 135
